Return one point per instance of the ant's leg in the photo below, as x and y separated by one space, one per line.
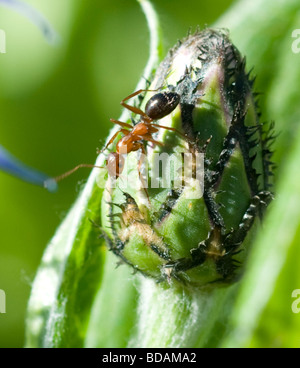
137 93
158 143
124 131
123 125
169 128
68 173
134 109
150 139
110 141
137 111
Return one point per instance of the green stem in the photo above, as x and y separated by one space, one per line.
178 318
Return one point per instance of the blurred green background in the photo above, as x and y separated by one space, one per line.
55 105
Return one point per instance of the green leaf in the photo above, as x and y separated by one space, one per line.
71 269
262 30
68 278
113 315
262 315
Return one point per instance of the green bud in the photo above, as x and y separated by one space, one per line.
194 229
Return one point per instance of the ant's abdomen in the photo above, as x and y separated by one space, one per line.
161 105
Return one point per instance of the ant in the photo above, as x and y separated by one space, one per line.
157 107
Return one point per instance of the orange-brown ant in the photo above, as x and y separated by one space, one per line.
157 107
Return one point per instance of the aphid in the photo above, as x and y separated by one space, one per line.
157 107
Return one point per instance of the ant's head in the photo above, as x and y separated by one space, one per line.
161 105
115 164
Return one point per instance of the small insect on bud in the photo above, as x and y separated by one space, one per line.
208 109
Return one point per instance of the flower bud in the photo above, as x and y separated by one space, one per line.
194 228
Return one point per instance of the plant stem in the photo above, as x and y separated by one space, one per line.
177 317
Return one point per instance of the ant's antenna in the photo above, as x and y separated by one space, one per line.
52 183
